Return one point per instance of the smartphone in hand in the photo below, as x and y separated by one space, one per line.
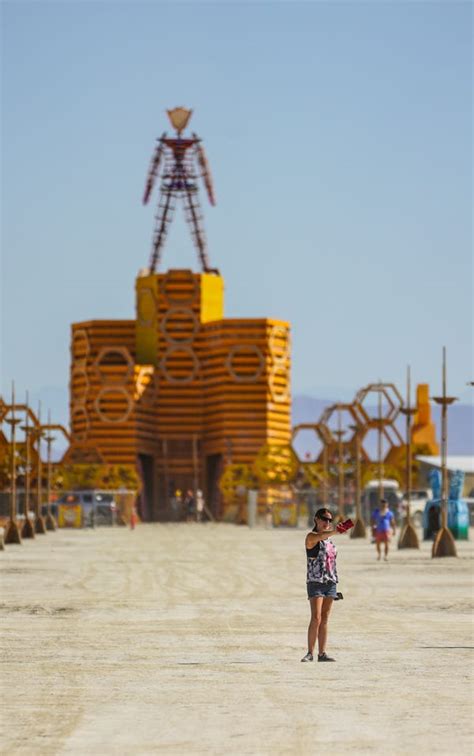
343 526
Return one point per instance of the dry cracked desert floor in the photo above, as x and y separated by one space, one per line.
187 639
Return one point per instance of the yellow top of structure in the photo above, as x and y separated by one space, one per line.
175 291
212 297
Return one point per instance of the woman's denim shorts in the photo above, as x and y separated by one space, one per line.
326 590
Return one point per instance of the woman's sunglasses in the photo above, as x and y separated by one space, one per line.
326 519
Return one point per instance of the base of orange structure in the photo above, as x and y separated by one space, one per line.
133 519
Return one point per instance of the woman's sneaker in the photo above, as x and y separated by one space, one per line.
308 657
325 657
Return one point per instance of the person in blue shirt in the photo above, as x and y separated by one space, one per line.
383 526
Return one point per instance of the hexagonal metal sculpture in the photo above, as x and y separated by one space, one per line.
367 452
3 409
351 415
384 420
393 398
315 472
341 451
320 430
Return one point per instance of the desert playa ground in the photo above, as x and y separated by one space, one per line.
187 639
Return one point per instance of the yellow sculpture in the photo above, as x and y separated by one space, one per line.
423 429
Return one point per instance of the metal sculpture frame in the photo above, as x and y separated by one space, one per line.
179 180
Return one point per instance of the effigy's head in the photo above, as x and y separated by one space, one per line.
179 118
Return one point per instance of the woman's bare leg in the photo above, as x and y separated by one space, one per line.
316 606
323 624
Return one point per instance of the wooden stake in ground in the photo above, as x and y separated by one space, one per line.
358 531
444 542
325 476
380 424
50 521
40 527
12 534
408 537
339 433
27 530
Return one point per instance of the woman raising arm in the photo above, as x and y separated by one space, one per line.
321 579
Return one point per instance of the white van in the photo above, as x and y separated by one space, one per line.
418 499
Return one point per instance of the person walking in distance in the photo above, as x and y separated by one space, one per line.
383 521
321 579
189 505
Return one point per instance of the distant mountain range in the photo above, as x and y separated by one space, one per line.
307 409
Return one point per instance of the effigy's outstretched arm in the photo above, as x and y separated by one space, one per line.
205 170
154 168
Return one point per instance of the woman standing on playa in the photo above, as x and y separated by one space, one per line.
321 579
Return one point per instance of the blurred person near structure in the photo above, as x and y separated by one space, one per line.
199 505
383 527
189 505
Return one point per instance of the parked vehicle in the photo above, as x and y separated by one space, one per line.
98 507
418 499
469 499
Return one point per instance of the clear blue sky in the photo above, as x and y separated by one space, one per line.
339 136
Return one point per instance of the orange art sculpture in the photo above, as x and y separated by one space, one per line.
424 429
